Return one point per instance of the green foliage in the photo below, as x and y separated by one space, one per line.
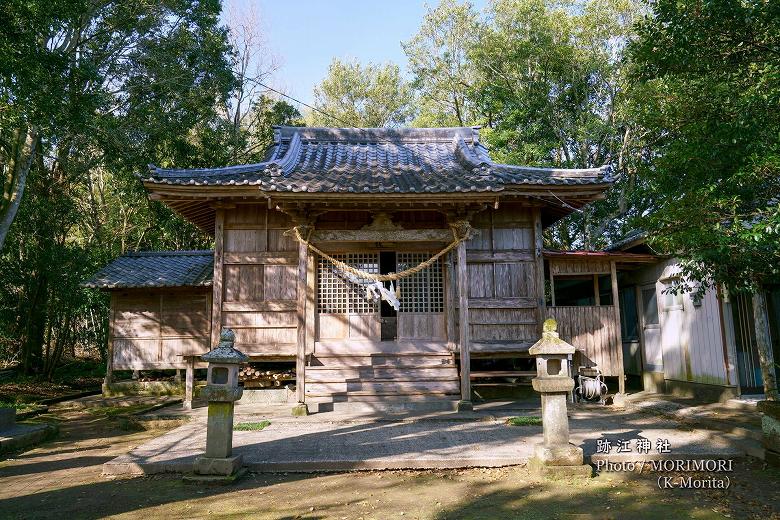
438 59
546 81
251 426
711 80
108 89
358 95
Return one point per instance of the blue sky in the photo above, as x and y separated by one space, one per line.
307 34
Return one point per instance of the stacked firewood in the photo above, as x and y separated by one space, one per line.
256 378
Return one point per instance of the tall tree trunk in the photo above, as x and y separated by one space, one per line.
34 325
764 345
21 164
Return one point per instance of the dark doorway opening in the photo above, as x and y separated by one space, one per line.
388 315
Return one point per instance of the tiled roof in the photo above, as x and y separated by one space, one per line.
635 235
377 160
156 269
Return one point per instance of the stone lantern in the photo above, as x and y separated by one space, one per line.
556 456
221 392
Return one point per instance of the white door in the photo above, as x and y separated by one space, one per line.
651 329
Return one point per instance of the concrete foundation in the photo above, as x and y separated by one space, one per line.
465 406
653 382
542 469
123 388
770 425
336 442
567 455
700 391
300 410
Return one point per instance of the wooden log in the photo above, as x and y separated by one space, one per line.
216 301
463 324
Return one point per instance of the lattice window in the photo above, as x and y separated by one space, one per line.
337 295
423 291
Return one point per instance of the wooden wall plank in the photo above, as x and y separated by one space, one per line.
593 331
181 326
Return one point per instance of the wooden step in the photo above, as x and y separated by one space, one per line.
358 388
401 360
503 373
353 347
380 373
390 399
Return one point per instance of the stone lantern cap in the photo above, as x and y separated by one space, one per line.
551 343
225 353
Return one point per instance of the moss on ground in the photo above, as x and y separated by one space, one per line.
524 420
251 426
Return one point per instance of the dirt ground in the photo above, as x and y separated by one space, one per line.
62 479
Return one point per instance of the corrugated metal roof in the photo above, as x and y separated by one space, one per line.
156 269
378 160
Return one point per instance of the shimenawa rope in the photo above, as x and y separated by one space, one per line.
461 231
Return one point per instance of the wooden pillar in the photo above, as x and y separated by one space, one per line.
723 338
311 301
300 358
452 340
160 329
463 326
596 292
189 382
764 345
552 288
216 299
541 304
110 346
616 306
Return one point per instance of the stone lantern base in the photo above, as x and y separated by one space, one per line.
558 462
217 466
214 470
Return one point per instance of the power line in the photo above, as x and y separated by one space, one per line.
302 103
378 138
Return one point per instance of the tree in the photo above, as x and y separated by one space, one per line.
362 96
712 91
551 88
438 58
90 92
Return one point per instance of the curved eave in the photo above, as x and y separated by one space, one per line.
195 203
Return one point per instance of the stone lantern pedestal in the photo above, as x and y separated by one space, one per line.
221 392
555 456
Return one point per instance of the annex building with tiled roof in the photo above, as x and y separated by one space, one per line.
382 263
